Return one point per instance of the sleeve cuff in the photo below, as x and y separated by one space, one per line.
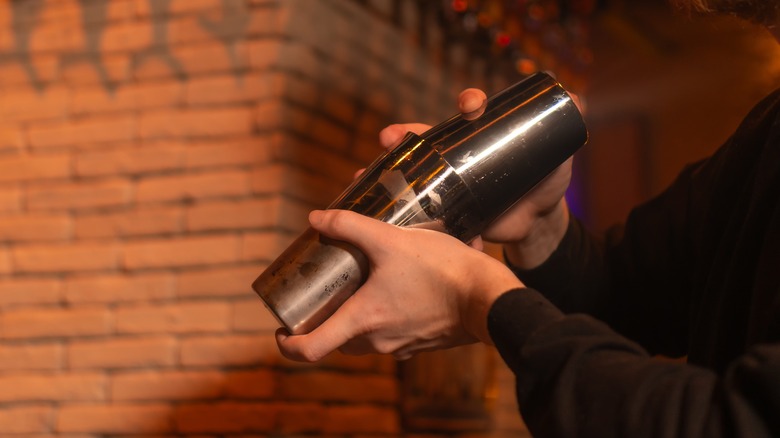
515 315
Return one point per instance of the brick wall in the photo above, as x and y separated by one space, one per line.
155 155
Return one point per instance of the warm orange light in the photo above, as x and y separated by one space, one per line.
460 5
536 12
484 19
525 66
503 39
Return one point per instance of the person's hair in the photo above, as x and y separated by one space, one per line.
766 12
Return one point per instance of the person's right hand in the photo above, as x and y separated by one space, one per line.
530 230
425 290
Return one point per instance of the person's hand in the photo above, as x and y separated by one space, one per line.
425 290
533 227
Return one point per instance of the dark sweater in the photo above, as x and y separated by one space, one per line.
696 272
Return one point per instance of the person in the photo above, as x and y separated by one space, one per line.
693 272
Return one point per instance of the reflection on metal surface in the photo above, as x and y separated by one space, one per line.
457 177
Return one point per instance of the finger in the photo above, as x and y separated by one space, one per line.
400 357
282 336
311 347
578 102
366 233
358 173
408 351
403 354
477 243
472 103
392 135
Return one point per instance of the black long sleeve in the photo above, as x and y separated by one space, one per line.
577 378
696 272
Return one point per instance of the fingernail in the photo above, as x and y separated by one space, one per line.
477 112
468 101
282 334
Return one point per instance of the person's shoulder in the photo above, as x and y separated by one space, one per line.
768 107
759 125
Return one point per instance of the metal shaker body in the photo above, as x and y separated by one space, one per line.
526 132
457 177
412 185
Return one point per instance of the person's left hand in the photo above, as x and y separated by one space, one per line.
425 290
532 228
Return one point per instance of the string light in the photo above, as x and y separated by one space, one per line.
460 5
503 39
532 34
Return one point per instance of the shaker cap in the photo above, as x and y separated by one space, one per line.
526 132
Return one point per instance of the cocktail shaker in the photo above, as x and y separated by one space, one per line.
457 178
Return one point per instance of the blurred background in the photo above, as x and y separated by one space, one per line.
156 155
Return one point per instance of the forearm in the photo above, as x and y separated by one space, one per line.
577 377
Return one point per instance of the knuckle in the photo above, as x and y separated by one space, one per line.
310 355
337 219
384 348
402 355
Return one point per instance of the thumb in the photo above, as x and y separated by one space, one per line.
391 136
362 231
328 337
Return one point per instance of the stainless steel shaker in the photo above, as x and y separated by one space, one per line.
457 177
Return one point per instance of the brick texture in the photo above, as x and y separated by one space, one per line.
193 186
114 353
83 132
229 417
234 350
184 251
185 317
220 215
167 385
336 386
30 291
124 161
196 123
115 418
32 227
139 221
27 104
35 357
361 419
251 316
86 256
155 157
26 419
218 282
10 200
30 167
79 195
55 323
112 288
253 384
52 387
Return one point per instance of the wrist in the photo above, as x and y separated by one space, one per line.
543 239
487 285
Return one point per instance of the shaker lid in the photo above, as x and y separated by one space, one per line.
526 132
